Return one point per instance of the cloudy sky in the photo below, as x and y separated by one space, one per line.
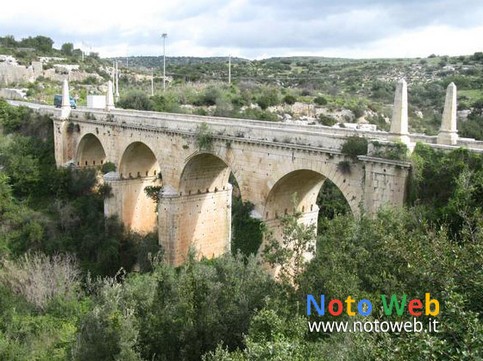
254 29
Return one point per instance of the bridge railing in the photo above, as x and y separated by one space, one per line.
313 135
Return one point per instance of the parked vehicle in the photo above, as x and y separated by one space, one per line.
58 101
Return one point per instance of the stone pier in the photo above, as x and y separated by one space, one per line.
200 221
130 203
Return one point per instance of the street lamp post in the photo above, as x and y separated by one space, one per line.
164 60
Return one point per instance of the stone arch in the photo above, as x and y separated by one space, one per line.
204 172
305 184
138 169
90 152
296 191
138 161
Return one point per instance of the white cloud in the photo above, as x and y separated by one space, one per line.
369 28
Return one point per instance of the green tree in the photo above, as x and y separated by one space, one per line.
135 100
204 137
289 99
110 331
289 255
320 100
41 43
246 230
268 97
67 49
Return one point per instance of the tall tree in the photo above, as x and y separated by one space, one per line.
67 48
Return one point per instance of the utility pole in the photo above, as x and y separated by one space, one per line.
117 81
165 35
229 69
127 57
114 76
152 82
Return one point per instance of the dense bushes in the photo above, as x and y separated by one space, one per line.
175 315
473 126
136 100
354 146
55 210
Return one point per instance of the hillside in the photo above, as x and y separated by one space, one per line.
332 91
329 90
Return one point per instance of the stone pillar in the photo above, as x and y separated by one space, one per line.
109 97
201 221
61 142
385 183
399 122
448 133
113 204
65 107
130 203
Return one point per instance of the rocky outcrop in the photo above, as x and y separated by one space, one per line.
12 73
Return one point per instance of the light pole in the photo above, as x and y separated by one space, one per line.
152 82
164 60
117 81
229 69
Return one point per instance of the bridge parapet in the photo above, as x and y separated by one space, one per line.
315 135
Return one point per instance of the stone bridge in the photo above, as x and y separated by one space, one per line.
271 163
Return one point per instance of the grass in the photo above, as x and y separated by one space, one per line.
472 94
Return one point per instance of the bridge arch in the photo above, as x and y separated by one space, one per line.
90 151
138 169
204 172
295 191
298 189
138 161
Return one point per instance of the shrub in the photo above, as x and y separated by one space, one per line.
395 151
153 192
268 97
135 100
344 166
108 167
204 137
320 100
40 278
289 99
327 120
355 146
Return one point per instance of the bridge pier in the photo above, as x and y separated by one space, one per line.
385 183
130 203
276 228
201 221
